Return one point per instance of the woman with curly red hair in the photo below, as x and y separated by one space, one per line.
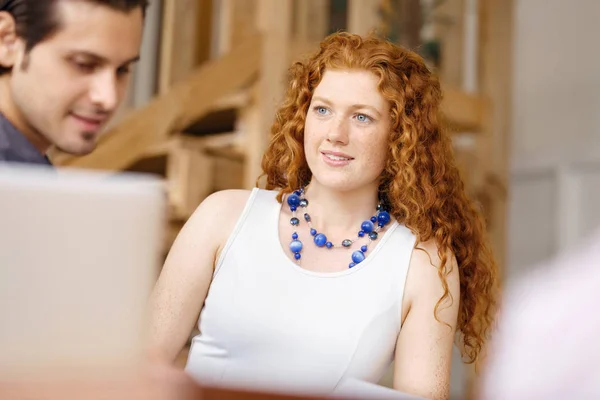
362 250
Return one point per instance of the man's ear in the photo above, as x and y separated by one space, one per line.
9 41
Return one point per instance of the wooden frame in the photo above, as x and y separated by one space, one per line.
362 16
496 78
178 41
310 20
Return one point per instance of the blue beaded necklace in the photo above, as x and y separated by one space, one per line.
368 227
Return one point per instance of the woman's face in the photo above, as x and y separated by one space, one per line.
346 131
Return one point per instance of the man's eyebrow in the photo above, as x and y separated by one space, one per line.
100 59
132 60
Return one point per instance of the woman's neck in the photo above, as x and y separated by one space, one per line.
339 214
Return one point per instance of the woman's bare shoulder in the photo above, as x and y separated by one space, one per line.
230 199
222 208
424 273
210 224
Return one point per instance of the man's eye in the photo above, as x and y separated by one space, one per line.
85 67
123 71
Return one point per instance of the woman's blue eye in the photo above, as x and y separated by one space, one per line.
363 118
321 110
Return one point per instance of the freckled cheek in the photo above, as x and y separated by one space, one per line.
314 134
311 146
374 155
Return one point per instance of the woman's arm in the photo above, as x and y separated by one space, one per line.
183 283
424 347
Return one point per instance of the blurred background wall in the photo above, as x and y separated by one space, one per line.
555 135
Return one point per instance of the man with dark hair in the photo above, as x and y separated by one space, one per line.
64 69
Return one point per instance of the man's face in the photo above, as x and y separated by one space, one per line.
68 86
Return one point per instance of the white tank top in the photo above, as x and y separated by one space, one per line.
269 324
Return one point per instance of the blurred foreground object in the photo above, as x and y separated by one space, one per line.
547 346
79 253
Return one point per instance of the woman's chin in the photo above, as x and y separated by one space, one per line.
335 182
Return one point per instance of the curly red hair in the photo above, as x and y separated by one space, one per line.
421 183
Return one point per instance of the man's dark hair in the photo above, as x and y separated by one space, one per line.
36 20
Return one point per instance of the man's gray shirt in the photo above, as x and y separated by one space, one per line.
15 147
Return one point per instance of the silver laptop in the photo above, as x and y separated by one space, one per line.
79 254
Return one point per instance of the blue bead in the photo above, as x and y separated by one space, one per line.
297 256
306 217
296 246
293 200
297 193
320 240
351 265
329 245
294 221
364 249
294 236
292 208
367 227
373 235
361 233
358 256
383 218
303 203
373 219
313 231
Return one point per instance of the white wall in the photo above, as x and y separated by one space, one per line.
555 177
